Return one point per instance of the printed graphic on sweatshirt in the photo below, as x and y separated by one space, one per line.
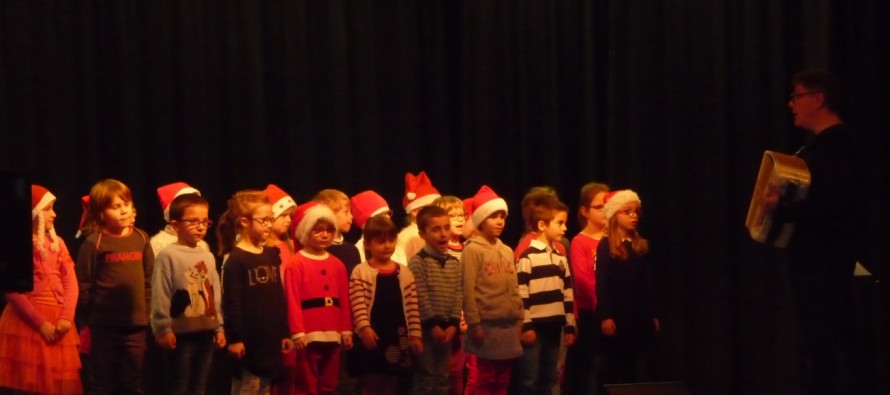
198 298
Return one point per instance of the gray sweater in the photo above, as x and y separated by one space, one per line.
186 292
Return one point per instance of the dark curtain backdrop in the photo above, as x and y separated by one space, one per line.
675 99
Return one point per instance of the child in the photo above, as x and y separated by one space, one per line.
625 302
384 312
492 306
458 219
317 295
253 303
366 205
531 196
347 253
419 193
338 202
283 207
583 358
437 275
167 236
38 342
114 268
186 304
545 284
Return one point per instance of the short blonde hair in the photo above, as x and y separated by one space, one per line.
332 198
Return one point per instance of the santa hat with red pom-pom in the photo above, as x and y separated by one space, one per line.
419 192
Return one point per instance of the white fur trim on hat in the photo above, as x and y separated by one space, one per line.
421 202
45 200
616 200
309 218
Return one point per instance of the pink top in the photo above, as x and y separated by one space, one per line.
583 261
53 279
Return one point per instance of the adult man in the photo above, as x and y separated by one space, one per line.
822 251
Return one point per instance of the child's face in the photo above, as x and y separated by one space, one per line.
344 216
118 215
493 226
437 233
595 214
321 236
381 248
193 226
555 229
628 217
458 219
281 225
259 224
49 217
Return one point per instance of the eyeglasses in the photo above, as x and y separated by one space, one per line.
457 216
795 96
194 222
265 221
632 213
323 229
597 206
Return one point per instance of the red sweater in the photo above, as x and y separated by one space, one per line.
317 298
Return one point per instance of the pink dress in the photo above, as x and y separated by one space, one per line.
27 361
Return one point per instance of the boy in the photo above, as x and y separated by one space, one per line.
437 276
167 236
492 306
186 311
317 299
546 288
338 202
419 193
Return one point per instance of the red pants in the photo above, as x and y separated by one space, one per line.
493 376
321 363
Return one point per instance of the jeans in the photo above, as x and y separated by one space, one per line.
116 359
536 369
188 364
433 367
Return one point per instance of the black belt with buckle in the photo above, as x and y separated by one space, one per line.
320 302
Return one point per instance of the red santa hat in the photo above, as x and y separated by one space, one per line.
40 199
366 205
484 204
84 212
615 200
419 192
468 209
305 218
168 192
279 199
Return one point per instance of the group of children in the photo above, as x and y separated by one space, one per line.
299 310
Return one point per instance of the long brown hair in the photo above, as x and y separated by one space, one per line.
101 195
616 247
241 204
588 192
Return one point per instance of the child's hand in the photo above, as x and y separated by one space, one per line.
347 341
438 334
608 327
450 333
369 338
236 350
286 345
301 343
463 323
569 339
166 340
416 345
477 336
220 339
63 326
528 338
48 331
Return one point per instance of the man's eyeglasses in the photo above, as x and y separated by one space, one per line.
265 221
194 222
795 96
632 213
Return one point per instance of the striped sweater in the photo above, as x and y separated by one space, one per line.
362 286
438 279
545 285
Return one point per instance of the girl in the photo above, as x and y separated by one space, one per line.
283 207
114 267
625 304
253 299
38 343
385 312
580 367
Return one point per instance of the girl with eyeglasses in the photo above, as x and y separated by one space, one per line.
625 302
254 305
581 369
